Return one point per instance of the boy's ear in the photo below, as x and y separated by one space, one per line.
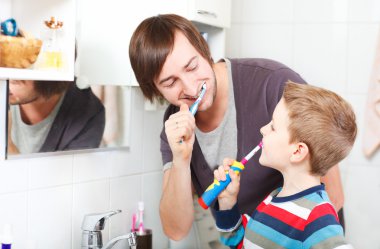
300 152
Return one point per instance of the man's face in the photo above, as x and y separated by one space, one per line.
22 92
183 75
276 148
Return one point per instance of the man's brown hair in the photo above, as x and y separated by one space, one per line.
152 42
322 120
50 88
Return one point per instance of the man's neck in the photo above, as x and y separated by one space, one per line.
297 179
36 111
210 119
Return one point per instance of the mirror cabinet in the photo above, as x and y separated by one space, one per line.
93 40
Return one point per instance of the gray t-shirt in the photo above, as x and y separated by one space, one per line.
30 138
221 142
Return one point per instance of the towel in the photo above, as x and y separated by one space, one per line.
371 137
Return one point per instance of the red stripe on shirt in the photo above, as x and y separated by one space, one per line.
244 223
322 210
283 215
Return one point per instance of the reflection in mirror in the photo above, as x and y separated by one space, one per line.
46 116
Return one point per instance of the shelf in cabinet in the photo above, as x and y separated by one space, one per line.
32 74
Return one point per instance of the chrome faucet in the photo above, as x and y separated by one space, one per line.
92 227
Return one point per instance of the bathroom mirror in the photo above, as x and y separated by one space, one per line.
44 118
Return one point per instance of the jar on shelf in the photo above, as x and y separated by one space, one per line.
52 55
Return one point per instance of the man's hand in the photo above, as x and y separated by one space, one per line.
179 130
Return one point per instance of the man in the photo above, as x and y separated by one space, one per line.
53 116
171 59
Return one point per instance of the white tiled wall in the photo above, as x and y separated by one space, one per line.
331 43
45 198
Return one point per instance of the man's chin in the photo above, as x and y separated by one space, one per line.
12 102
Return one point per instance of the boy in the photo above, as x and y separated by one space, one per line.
311 130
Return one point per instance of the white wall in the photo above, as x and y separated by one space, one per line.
331 43
46 198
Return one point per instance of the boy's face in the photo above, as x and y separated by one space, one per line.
183 75
276 150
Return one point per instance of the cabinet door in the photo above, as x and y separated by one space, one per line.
104 30
212 12
103 33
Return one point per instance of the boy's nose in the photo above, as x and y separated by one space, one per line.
262 130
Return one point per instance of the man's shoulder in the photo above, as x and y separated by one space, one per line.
260 73
262 63
84 97
81 102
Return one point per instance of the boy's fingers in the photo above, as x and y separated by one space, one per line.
219 173
233 175
228 161
235 179
222 173
216 175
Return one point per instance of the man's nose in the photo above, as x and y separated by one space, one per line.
190 88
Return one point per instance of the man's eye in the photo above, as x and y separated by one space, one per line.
192 68
171 84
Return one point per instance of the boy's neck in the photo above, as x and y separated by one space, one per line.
298 179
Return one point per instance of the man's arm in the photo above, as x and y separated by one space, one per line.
334 187
176 205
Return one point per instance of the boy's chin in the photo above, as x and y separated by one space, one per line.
262 161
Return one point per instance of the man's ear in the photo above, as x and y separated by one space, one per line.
300 152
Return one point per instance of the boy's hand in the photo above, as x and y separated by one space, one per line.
228 197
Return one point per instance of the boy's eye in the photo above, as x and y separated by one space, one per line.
272 127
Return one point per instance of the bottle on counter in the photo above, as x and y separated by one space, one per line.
6 237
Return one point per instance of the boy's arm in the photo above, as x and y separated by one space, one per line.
334 187
227 215
229 224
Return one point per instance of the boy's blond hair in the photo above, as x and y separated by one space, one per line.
323 120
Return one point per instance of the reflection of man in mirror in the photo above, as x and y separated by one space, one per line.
53 116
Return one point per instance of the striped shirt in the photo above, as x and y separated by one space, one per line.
303 220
